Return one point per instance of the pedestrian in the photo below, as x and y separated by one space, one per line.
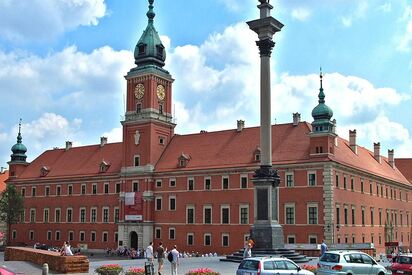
323 248
160 258
247 253
66 250
175 261
150 256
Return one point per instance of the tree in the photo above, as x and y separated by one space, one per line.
11 207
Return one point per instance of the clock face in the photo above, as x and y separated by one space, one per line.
161 92
139 91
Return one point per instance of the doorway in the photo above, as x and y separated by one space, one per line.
133 240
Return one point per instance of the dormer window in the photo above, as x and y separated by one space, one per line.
44 171
257 154
183 160
141 49
160 49
104 166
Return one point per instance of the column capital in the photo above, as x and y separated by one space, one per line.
267 173
265 46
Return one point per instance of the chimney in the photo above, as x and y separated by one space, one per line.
352 141
377 151
3 169
240 125
103 141
296 119
391 159
68 145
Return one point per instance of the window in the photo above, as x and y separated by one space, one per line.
190 214
158 204
243 182
380 216
69 216
106 188
225 240
160 108
116 214
312 214
71 235
361 186
312 178
23 192
290 213
93 236
31 235
370 188
344 182
14 234
46 215
172 233
93 215
313 239
207 239
57 215
106 215
190 184
57 235
363 216
337 180
47 191
353 215
135 186
225 182
83 189
190 239
345 215
172 203
207 215
138 107
49 235
289 179
136 161
117 188
225 215
105 237
82 215
81 236
244 214
94 189
352 184
207 183
32 215
337 215
291 239
70 190
23 216
158 183
33 191
158 233
58 190
372 216
161 140
172 182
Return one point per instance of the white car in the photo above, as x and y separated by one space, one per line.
349 263
270 266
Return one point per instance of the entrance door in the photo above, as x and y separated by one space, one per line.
133 240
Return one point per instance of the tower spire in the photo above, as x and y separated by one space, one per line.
18 149
321 93
151 14
19 138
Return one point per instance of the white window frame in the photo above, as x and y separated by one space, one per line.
108 214
116 209
172 180
290 205
137 184
68 235
161 203
188 180
44 215
292 174
312 172
310 205
33 210
80 236
134 161
106 184
93 188
57 235
174 234
85 189
170 203
204 183
68 188
187 239
67 215
224 206
158 229
211 213
228 182
192 207
59 193
23 192
33 191
49 235
291 236
91 236
228 239
158 183
91 214
80 215
313 237
46 194
204 239
240 213
105 233
242 176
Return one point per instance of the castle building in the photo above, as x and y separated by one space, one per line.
195 190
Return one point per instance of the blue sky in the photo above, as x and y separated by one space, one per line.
62 65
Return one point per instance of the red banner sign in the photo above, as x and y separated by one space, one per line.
133 207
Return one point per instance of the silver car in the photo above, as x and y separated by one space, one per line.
270 266
349 262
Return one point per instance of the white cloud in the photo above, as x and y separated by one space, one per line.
358 13
301 14
44 19
405 41
114 135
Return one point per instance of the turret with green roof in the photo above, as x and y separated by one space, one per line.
19 149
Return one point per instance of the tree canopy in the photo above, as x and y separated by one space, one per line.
11 206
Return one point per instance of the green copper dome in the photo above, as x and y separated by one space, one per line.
322 111
18 149
149 49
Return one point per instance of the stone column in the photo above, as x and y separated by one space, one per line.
266 231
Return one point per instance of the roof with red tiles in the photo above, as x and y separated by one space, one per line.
76 161
3 177
405 166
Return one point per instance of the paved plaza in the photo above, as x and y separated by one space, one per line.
186 264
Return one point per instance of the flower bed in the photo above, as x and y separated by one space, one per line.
202 271
135 271
109 269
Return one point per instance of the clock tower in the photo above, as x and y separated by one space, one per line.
148 125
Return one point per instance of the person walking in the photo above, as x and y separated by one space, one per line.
247 253
160 258
150 256
323 248
175 261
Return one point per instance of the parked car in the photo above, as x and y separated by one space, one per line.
349 262
269 266
402 265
